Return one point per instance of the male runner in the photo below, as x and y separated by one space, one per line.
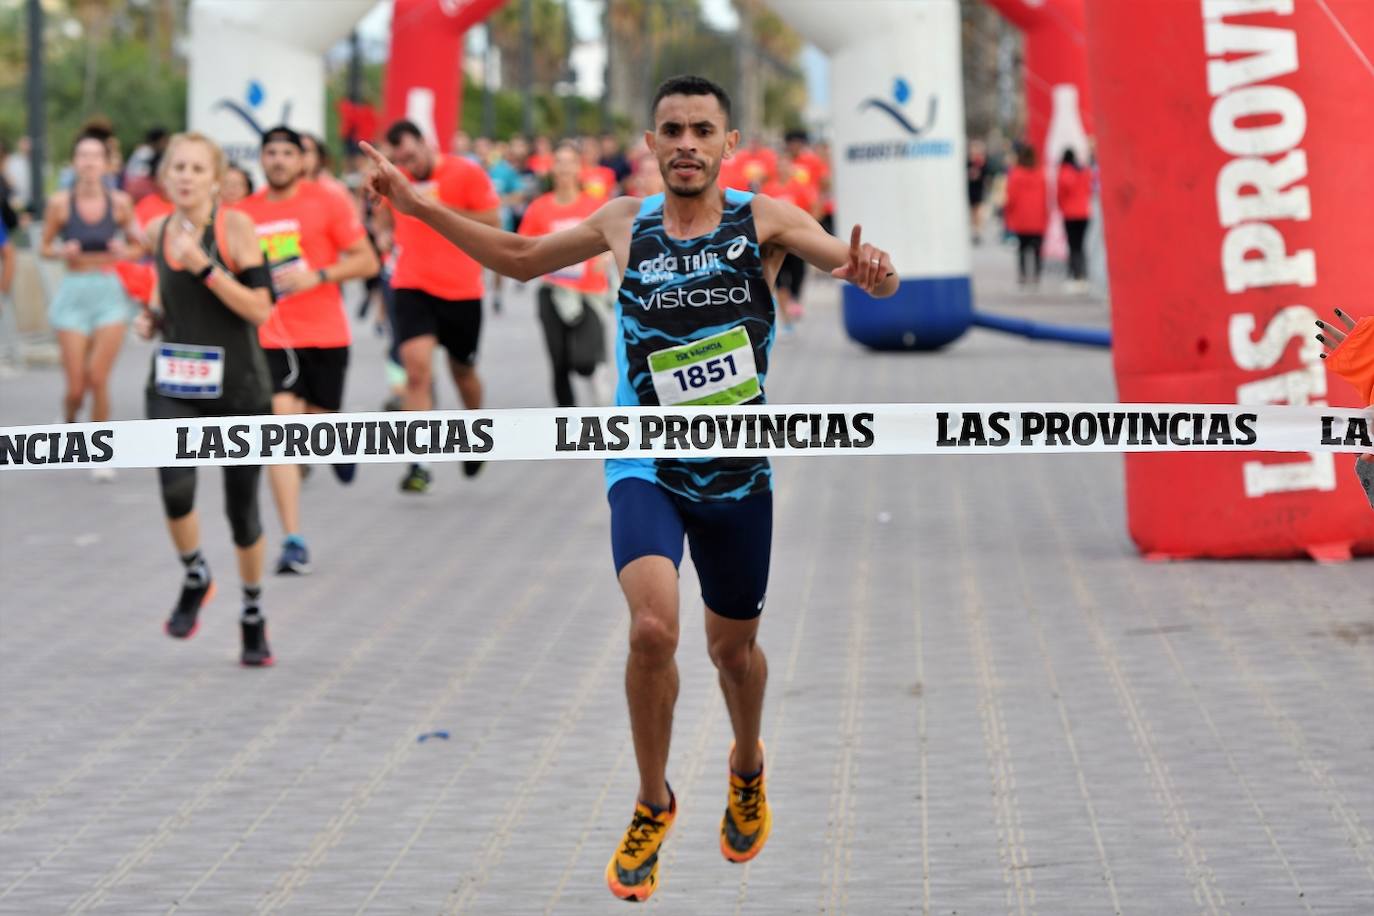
312 241
438 291
697 264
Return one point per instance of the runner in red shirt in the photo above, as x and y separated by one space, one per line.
598 182
807 166
571 300
1349 351
758 163
312 240
798 189
1027 213
812 166
150 207
541 160
438 290
1074 193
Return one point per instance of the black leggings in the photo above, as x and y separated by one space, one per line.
791 274
179 484
1075 229
1029 251
557 338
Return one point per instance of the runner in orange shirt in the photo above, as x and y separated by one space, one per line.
312 241
807 165
569 310
812 165
758 163
151 206
598 182
1349 351
438 290
796 189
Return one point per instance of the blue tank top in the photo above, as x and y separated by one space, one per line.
677 292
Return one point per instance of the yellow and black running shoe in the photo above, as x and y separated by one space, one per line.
632 873
747 821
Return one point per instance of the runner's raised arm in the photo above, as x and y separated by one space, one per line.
519 257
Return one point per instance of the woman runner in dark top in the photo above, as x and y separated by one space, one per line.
213 290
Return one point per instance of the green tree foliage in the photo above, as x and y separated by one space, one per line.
101 60
550 116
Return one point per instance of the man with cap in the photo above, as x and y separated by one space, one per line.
312 241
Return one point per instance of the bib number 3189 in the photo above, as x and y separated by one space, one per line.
181 371
715 371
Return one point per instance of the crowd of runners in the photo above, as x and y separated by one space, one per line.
241 287
239 283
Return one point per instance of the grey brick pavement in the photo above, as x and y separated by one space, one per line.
982 700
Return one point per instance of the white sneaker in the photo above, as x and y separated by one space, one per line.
103 475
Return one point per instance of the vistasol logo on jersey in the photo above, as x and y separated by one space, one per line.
698 297
897 111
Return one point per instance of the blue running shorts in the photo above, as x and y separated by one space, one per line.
731 540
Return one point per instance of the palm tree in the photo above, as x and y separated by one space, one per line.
550 42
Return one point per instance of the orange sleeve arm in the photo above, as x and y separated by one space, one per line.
1353 360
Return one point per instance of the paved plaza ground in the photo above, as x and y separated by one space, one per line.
982 701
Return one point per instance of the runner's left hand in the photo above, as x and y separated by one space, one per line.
184 246
868 267
1331 337
297 280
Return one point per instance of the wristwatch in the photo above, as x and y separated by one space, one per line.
320 273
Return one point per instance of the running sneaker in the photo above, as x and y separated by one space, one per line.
747 821
417 480
345 472
472 468
256 653
295 557
632 873
183 622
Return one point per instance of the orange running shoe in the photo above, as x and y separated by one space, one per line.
747 821
632 873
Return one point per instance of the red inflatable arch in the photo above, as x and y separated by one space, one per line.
1230 136
424 76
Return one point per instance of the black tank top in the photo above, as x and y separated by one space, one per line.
92 236
194 316
676 293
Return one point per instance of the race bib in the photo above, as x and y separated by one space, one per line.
189 372
716 371
281 248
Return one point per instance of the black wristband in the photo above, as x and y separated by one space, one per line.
204 273
320 273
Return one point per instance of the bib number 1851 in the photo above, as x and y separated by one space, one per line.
709 372
716 370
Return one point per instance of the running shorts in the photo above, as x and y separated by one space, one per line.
731 540
456 323
313 374
89 300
